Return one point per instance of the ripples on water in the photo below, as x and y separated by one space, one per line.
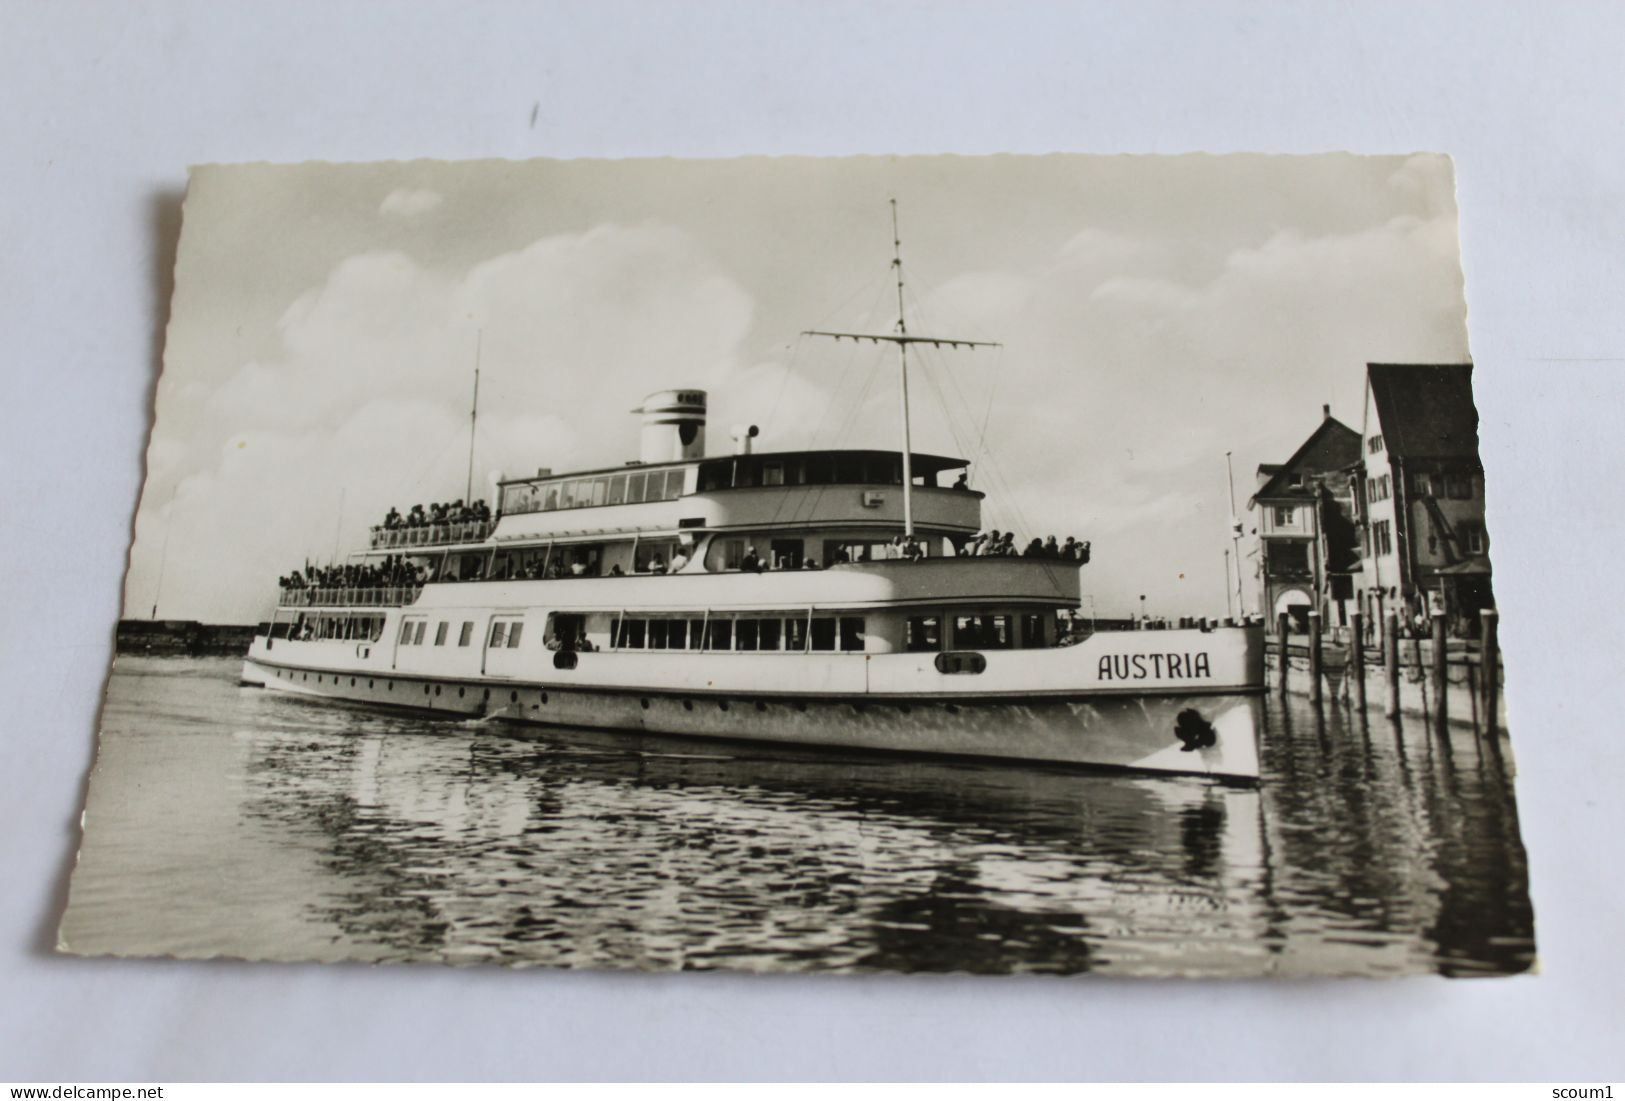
235 821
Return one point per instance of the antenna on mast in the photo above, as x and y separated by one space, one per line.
473 416
903 339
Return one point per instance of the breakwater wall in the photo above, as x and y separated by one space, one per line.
183 637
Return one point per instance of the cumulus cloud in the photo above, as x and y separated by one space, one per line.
366 400
409 202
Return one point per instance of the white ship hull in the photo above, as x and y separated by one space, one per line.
1060 706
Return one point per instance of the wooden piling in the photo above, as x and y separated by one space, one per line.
1489 668
1441 671
1390 662
1314 658
1283 659
1357 657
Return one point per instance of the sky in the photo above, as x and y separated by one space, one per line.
1153 314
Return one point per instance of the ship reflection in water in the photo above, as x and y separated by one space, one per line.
238 822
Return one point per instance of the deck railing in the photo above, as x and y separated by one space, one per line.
431 535
392 596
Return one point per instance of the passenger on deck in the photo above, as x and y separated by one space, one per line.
751 563
1035 549
912 550
679 559
1051 548
991 545
616 571
809 564
393 519
842 555
657 564
1007 547
963 481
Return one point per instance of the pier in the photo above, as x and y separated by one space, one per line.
1441 679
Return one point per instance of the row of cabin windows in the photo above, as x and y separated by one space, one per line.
413 631
781 634
631 488
365 628
747 472
923 634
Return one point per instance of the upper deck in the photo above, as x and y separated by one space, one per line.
793 489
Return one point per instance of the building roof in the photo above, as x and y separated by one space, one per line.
1330 447
1425 411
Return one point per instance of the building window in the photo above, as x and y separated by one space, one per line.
1382 537
1472 538
1421 485
1459 487
1288 558
1286 516
1374 444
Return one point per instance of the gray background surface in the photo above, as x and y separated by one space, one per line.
105 106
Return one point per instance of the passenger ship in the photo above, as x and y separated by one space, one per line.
677 595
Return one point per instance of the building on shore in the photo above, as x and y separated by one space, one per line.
1422 498
1308 535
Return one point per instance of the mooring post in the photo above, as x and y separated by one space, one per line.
1489 667
1357 657
1282 620
1314 658
1441 679
1390 662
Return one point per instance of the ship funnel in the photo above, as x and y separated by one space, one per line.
742 435
673 426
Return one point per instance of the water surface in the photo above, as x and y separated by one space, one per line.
235 821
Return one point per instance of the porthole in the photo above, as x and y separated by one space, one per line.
645 702
801 705
905 709
425 689
304 676
688 705
459 692
722 705
352 682
544 697
486 695
953 709
760 706
437 690
513 697
369 682
391 686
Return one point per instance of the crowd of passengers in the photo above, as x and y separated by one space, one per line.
452 512
997 544
392 572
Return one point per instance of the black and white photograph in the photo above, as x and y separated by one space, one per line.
995 564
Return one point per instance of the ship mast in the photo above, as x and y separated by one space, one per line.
473 417
902 338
